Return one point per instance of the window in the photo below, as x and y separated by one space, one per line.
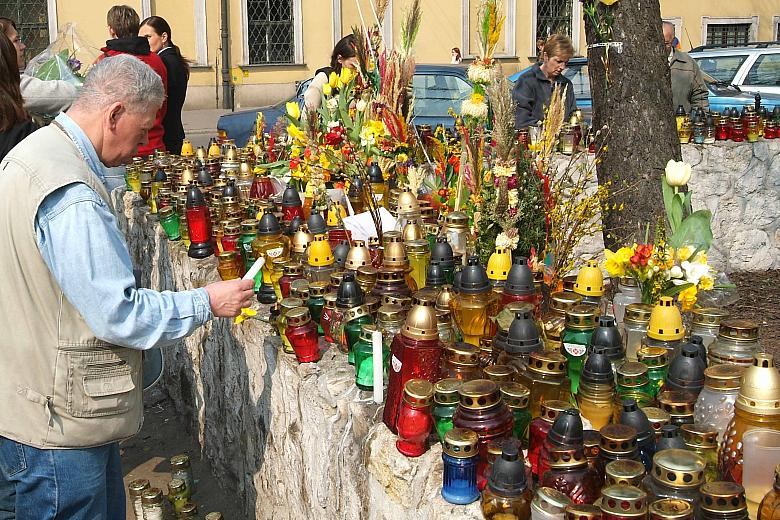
270 32
722 68
553 16
32 22
765 71
435 94
728 33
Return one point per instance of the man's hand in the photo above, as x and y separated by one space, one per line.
229 297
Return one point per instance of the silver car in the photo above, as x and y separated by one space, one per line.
751 68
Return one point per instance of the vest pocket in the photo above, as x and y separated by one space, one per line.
99 384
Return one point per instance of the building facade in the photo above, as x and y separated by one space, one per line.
274 43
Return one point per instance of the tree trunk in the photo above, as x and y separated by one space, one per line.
633 99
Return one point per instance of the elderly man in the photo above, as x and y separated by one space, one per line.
688 88
74 323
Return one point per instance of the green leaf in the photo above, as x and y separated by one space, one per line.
674 290
694 231
668 193
687 201
676 214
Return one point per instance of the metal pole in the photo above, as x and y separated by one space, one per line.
227 91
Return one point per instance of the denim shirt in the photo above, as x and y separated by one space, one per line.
85 251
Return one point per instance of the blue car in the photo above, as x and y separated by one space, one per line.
437 88
721 95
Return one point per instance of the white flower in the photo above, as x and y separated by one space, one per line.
361 105
332 103
503 171
505 242
479 74
676 272
334 124
694 271
514 198
677 173
475 110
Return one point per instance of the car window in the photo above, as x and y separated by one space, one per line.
578 75
765 71
722 68
435 94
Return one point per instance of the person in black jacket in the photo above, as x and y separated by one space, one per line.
158 32
15 122
533 89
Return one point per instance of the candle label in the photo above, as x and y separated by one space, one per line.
575 349
396 363
273 253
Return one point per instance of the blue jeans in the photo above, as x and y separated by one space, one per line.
71 484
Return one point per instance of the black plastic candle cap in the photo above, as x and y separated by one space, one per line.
670 438
507 477
567 429
316 223
474 279
229 190
607 335
520 279
435 276
340 253
633 416
290 197
349 293
295 224
686 372
441 252
269 224
523 335
598 370
375 174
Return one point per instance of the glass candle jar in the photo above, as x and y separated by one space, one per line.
545 376
320 260
482 410
473 313
583 512
290 272
390 282
419 255
460 456
622 502
658 419
671 509
553 321
706 323
516 398
169 221
632 383
364 358
635 322
330 316
580 323
301 332
539 427
229 266
316 302
569 473
618 442
722 501
657 362
715 403
675 474
286 305
702 439
549 504
461 361
135 490
351 327
769 508
152 504
414 420
685 131
736 343
248 235
625 471
177 495
679 406
457 232
628 293
591 445
507 494
500 373
445 402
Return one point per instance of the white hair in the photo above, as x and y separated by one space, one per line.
122 78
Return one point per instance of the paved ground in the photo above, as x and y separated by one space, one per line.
201 125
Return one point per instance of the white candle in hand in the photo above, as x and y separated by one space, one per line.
250 275
376 344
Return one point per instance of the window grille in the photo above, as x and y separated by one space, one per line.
728 33
32 22
553 17
270 31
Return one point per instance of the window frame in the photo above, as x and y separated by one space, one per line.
756 61
715 20
510 24
776 28
297 23
576 18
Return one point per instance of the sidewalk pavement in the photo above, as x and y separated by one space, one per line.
201 125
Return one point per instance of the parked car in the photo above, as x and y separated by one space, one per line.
437 88
753 67
721 94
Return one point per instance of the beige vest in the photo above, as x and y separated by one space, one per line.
60 386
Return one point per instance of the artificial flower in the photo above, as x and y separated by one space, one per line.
478 73
514 198
293 110
332 103
245 313
694 271
507 241
676 272
475 107
677 173
503 171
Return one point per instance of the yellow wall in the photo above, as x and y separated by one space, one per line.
441 30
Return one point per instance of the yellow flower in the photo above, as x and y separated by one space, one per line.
608 2
293 110
346 75
326 89
477 98
333 80
296 133
687 298
324 162
683 253
401 157
706 283
614 265
245 313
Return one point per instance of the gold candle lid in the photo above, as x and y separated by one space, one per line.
677 403
330 300
402 301
632 374
300 289
678 468
739 330
657 417
549 410
582 512
188 510
700 436
415 246
652 357
709 316
317 289
500 373
618 438
515 395
456 219
176 486
354 313
418 392
624 471
581 317
137 487
357 256
723 377
367 273
230 228
444 297
460 443
287 304
388 275
390 313
462 354
298 316
562 301
722 497
421 323
164 212
760 390
550 500
249 226
226 255
152 496
494 449
624 501
671 509
301 239
547 362
335 279
445 391
407 203
373 303
424 297
291 268
367 332
567 457
479 394
394 256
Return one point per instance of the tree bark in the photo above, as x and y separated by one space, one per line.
633 100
